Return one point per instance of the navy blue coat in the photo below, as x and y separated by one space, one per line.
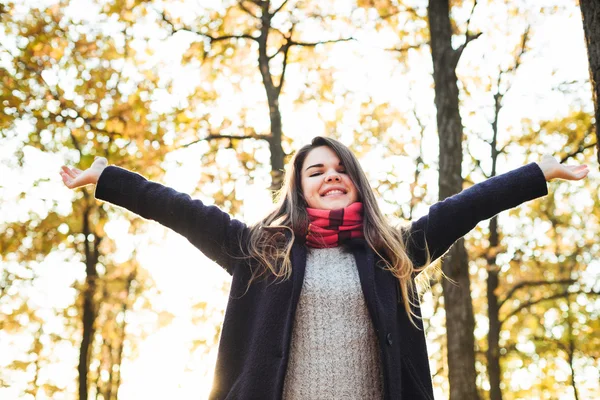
255 339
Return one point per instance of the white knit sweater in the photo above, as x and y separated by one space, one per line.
334 352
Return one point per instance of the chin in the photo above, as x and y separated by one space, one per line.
335 205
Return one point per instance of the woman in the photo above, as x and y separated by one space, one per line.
322 301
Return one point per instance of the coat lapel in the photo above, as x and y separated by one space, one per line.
365 263
298 270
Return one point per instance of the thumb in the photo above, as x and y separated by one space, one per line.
100 160
548 156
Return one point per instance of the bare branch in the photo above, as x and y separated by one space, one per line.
279 50
579 150
478 165
313 44
458 52
523 284
409 10
468 38
175 29
514 67
566 86
227 37
503 148
247 10
519 57
279 8
283 69
229 137
469 19
551 340
404 49
541 300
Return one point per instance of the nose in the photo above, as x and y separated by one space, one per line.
333 177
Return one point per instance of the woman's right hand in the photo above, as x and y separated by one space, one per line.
74 177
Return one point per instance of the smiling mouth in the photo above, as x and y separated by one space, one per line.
333 193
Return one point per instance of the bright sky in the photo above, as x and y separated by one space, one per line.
164 367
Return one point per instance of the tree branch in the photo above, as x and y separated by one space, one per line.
469 20
468 37
409 10
519 57
279 8
458 52
541 300
283 69
579 150
523 284
313 44
229 137
211 39
404 49
247 10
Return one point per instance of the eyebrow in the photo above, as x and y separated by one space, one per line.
320 166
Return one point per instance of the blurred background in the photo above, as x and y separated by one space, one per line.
212 98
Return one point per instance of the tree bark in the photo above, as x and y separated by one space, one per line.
460 323
89 307
590 10
273 91
493 352
571 348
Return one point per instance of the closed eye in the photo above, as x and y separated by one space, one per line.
319 173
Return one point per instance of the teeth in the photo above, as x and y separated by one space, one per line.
334 192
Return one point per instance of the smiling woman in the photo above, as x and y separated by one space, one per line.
325 183
343 320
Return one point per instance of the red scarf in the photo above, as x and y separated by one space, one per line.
329 228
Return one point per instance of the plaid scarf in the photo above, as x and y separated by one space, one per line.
329 228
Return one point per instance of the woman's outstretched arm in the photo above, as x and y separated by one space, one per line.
208 228
452 218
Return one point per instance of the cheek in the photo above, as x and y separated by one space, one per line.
308 188
354 190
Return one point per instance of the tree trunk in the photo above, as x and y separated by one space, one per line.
460 322
571 348
493 352
273 91
89 307
127 304
590 10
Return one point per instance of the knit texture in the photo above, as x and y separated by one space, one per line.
334 352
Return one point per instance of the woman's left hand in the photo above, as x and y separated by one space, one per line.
554 170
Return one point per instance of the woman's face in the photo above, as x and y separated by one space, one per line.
325 183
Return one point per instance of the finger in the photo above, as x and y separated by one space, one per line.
100 160
581 174
68 171
66 179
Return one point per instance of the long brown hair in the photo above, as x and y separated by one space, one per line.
271 247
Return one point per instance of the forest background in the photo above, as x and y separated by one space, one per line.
212 98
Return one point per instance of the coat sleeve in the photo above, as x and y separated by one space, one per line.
452 218
208 228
